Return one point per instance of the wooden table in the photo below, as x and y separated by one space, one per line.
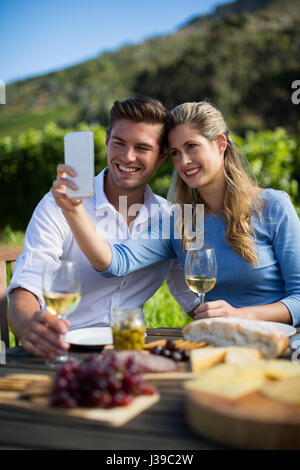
162 427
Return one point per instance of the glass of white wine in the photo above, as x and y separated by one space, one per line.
200 271
62 293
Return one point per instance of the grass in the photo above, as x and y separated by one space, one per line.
163 311
160 311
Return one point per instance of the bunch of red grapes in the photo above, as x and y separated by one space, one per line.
102 381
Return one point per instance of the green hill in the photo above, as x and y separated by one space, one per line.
243 57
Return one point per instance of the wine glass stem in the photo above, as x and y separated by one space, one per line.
201 296
65 356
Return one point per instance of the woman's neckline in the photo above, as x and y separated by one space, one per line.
261 192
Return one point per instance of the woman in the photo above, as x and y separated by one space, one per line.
255 231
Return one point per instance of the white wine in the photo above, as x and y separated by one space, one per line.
200 284
62 303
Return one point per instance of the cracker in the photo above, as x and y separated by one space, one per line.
153 344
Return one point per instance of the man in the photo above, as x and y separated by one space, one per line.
136 145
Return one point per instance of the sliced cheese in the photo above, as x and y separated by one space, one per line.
241 355
281 369
286 391
229 380
204 358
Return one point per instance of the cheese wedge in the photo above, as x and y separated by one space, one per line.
230 381
240 355
281 369
286 391
204 358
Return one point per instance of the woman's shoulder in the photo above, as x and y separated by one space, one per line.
276 203
270 195
275 198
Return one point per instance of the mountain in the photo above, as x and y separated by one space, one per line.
237 7
243 57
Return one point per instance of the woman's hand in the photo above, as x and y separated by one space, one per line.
59 186
217 308
277 312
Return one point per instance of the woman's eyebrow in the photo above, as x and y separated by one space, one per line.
184 144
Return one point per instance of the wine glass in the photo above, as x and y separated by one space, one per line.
62 293
200 271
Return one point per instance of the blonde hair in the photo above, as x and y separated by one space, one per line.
241 197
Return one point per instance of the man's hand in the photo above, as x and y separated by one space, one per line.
43 335
217 308
58 189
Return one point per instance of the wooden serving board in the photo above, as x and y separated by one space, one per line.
251 422
183 373
111 417
180 375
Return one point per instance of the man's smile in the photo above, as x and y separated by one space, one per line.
127 169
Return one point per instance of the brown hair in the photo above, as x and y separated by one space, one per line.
241 190
140 109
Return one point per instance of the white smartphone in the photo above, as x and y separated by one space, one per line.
79 155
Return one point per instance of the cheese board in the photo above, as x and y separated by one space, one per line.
251 422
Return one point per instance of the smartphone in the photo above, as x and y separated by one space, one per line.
79 155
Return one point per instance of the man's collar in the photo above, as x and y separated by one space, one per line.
101 198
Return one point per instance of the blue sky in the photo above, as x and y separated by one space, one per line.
38 36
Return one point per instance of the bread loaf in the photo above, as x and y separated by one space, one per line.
269 339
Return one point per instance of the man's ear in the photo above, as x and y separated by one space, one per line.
163 155
107 136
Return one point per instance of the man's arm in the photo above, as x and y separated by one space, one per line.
40 332
44 239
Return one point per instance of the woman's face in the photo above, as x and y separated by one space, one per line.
198 161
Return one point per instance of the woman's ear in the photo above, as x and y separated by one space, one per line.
222 143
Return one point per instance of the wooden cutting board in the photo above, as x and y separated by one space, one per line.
251 422
31 392
114 417
179 375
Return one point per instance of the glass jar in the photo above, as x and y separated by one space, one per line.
128 328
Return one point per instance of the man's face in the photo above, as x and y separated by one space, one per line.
133 153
